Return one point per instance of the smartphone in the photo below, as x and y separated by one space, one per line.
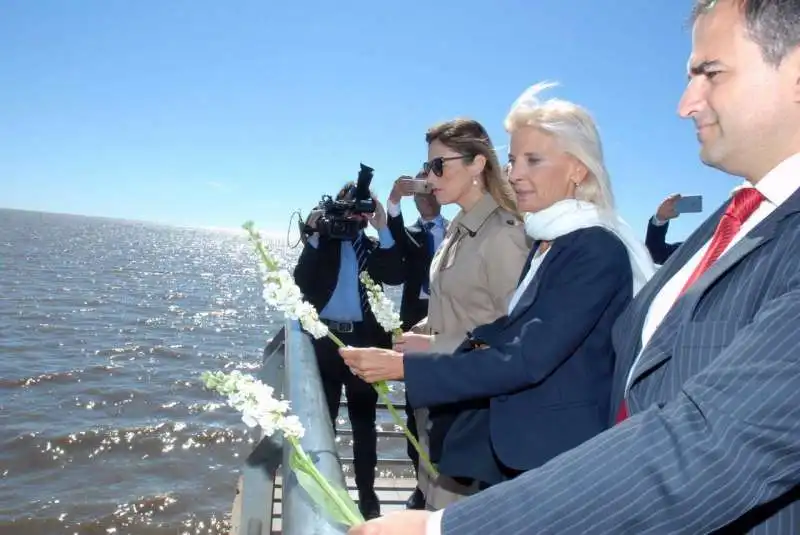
415 185
691 204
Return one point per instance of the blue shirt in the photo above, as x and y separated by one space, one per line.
345 302
437 231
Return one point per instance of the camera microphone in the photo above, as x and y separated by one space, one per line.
365 175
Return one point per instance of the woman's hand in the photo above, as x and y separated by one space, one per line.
413 343
373 364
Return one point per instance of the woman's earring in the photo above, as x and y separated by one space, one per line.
576 190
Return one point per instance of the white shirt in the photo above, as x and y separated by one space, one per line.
657 222
437 231
536 263
777 186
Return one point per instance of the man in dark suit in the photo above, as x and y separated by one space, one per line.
327 273
708 354
657 227
416 244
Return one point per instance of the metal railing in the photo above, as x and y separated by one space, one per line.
257 487
290 366
303 387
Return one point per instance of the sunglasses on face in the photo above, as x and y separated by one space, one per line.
437 164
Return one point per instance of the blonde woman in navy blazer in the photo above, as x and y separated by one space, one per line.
536 382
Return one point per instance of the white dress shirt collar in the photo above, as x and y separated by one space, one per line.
780 183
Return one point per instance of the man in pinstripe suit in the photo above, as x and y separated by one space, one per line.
709 352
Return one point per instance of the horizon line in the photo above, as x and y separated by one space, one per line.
267 233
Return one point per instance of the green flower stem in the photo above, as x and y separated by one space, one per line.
396 416
383 393
353 520
335 339
259 245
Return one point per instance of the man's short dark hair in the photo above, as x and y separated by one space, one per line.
347 188
774 25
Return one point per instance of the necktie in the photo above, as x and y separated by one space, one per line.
428 226
744 202
362 254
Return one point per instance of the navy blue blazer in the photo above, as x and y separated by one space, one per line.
713 441
656 242
546 377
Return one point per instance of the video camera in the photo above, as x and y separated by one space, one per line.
336 221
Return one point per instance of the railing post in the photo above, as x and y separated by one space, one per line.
258 473
303 388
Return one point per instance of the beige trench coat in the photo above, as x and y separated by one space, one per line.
473 275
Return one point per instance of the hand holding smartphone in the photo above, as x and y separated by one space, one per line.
413 186
690 204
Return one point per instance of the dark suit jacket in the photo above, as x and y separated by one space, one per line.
317 271
713 441
413 271
656 242
547 373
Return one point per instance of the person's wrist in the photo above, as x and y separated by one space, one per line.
665 213
399 365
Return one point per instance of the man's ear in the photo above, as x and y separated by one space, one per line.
792 64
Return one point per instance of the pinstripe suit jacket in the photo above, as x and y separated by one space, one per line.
713 443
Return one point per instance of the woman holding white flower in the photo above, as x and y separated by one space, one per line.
536 382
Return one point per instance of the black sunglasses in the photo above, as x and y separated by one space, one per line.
437 164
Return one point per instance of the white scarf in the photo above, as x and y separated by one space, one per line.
570 215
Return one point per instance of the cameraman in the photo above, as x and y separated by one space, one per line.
328 275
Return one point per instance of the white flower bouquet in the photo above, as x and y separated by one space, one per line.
259 407
282 293
382 307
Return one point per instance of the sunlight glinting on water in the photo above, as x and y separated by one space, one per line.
106 326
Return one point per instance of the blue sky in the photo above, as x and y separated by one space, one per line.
207 113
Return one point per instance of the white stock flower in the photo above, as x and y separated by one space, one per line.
257 403
292 427
282 293
382 307
280 290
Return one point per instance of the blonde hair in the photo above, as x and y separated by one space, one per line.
575 130
469 137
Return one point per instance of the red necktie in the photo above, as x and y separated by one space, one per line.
744 203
